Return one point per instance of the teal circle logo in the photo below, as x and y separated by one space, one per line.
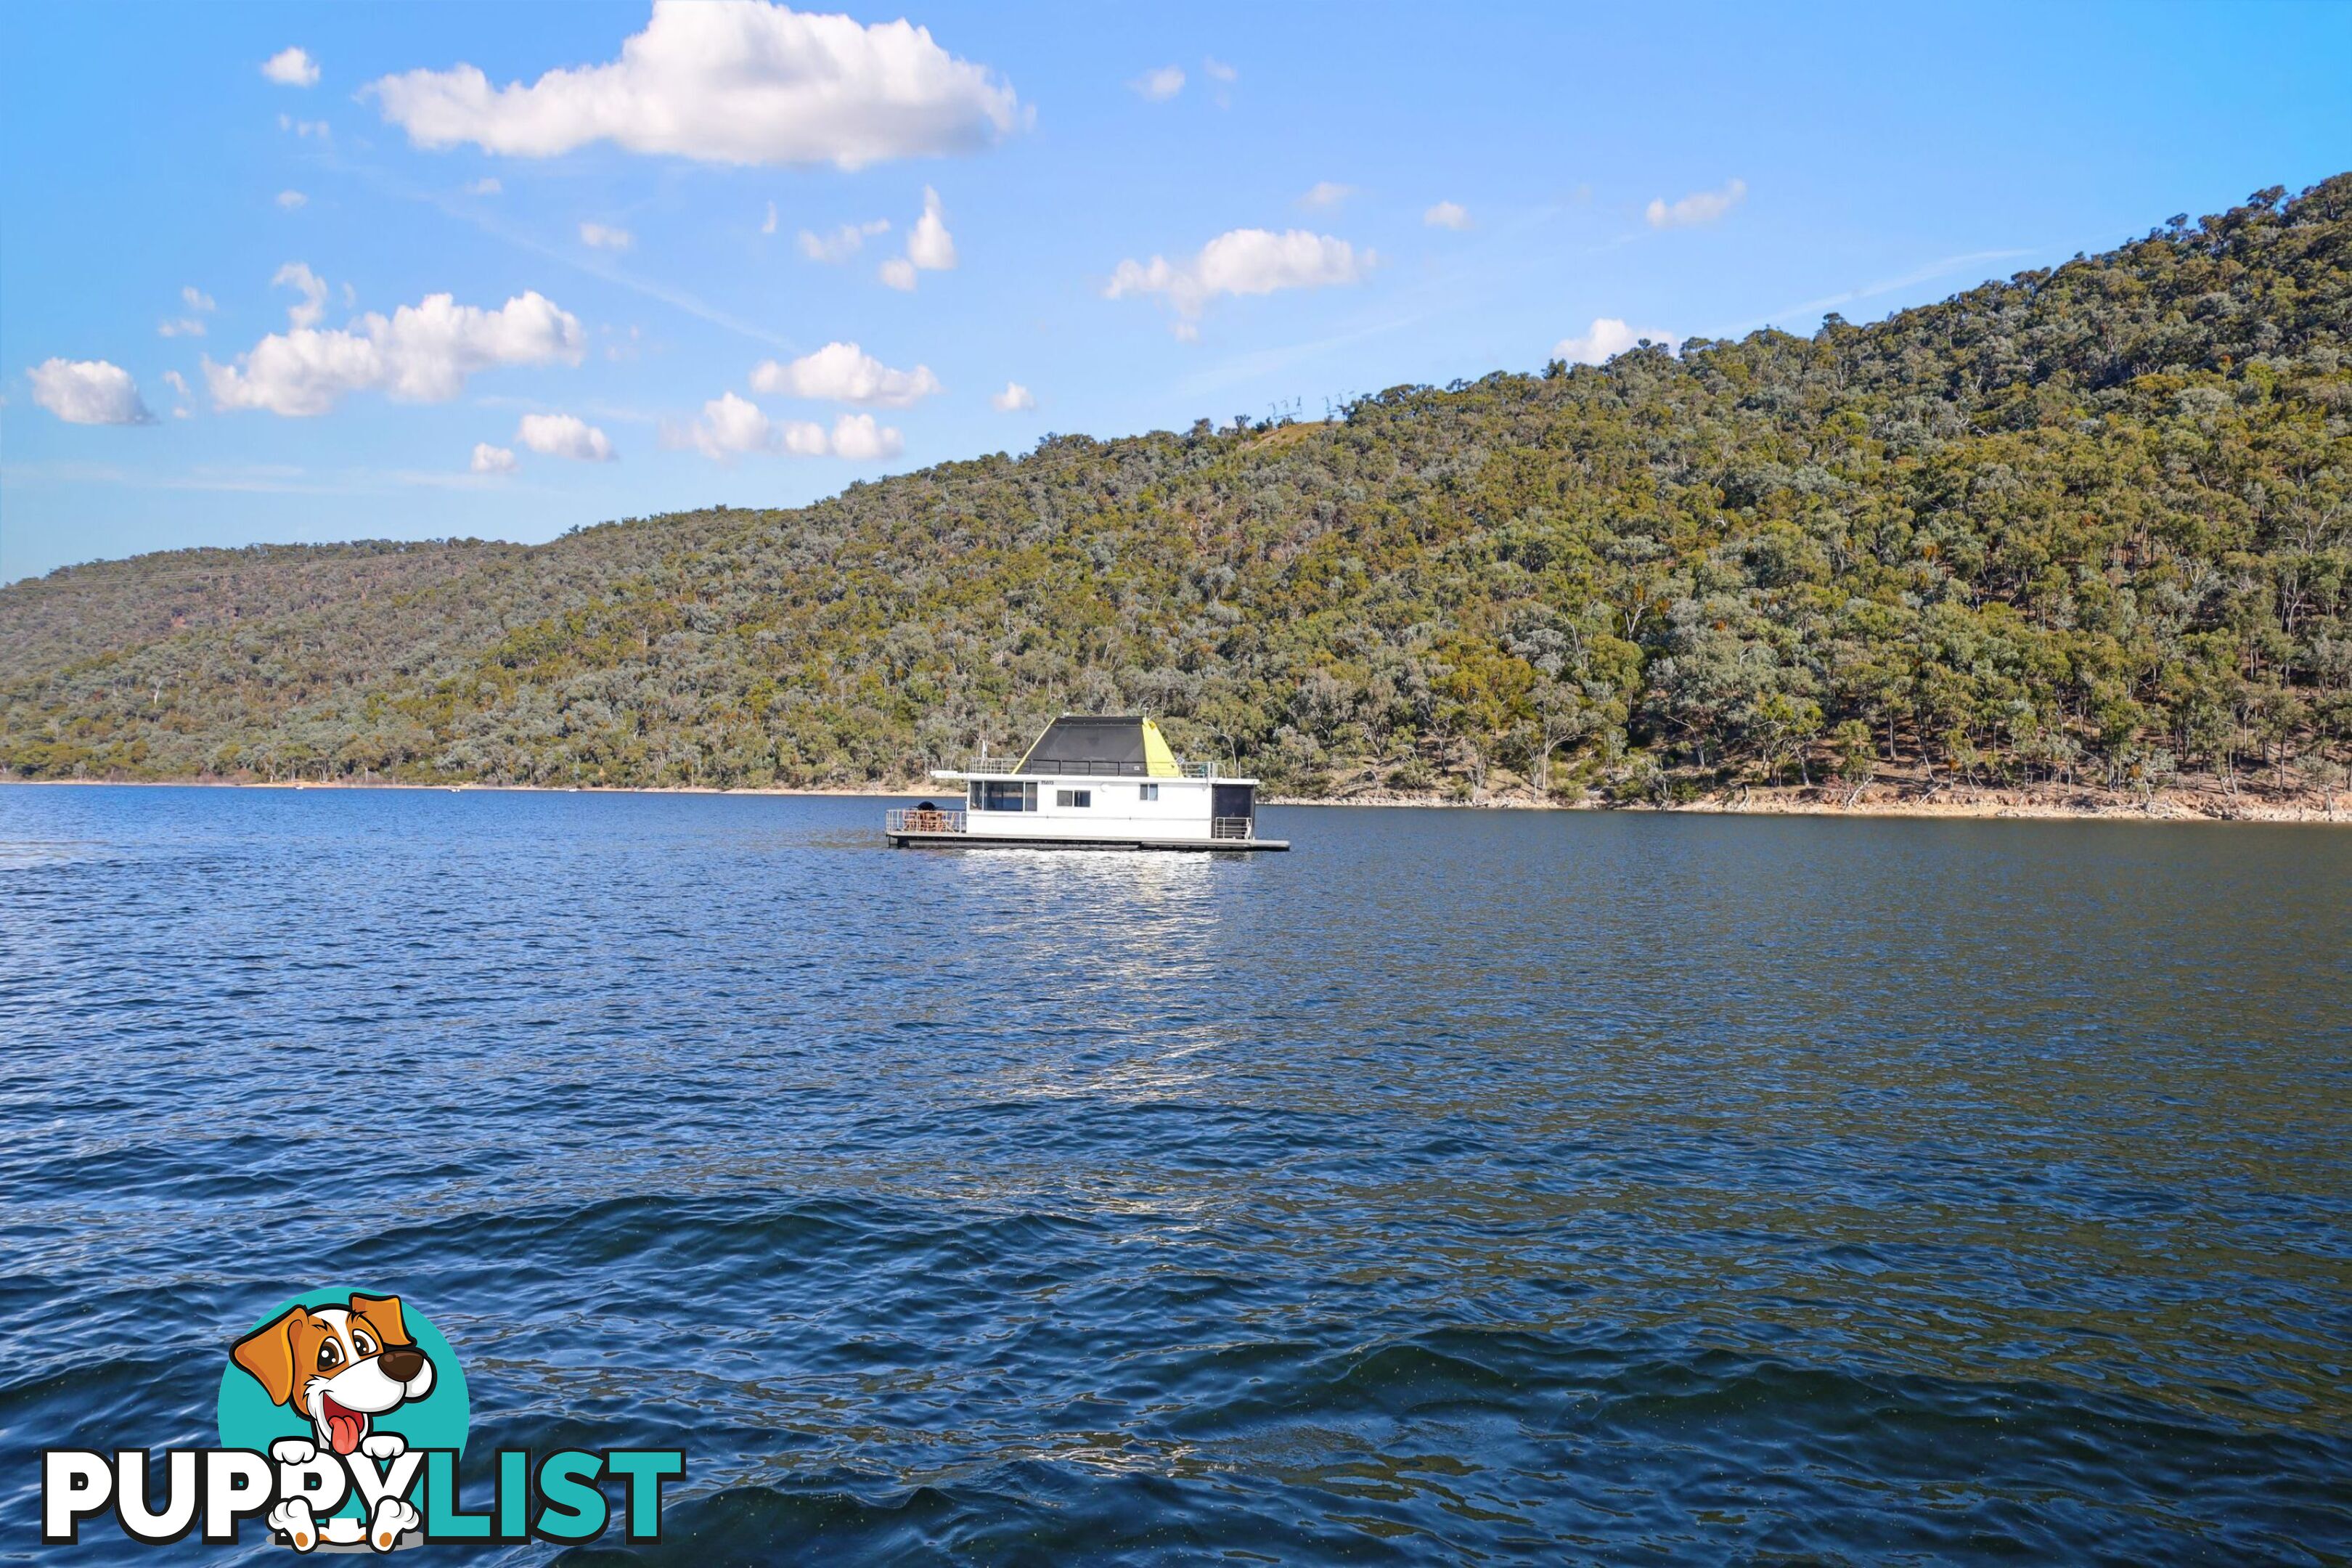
348 1371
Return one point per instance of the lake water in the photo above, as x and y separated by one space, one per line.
1460 1186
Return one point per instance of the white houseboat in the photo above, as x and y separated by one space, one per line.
1089 782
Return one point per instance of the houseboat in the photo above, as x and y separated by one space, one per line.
1089 782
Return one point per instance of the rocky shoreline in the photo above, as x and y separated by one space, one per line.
1877 799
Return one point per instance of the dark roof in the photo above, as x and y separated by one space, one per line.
1076 744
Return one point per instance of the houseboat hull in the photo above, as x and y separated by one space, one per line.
1046 841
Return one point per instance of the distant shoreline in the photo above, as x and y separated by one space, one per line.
1981 804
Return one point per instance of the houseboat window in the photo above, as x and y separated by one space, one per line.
1077 798
1147 792
1003 794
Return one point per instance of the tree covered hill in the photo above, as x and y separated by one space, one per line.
2092 524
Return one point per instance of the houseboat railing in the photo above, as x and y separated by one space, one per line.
914 819
1010 767
1229 828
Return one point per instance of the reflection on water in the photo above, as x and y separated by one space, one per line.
1461 1184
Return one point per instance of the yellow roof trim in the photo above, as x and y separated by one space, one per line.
1159 762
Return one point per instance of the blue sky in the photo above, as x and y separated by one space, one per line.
219 261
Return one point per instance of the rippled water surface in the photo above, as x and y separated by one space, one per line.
1461 1186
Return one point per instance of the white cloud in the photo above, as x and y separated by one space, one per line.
839 244
1699 206
488 185
732 426
844 373
770 226
490 460
929 244
1014 399
564 435
1244 261
1325 193
314 288
290 200
1224 76
89 391
195 298
1161 84
857 437
598 237
291 67
184 327
422 354
1447 215
305 127
1603 341
732 81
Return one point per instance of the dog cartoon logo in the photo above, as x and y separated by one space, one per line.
341 1366
338 1374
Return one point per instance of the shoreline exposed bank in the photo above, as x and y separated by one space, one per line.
1985 802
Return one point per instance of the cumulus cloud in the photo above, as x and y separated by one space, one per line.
1161 84
1014 399
1244 261
1325 193
928 245
89 391
180 327
729 81
597 237
838 244
304 128
1603 341
291 200
1699 206
200 304
488 185
179 385
312 288
733 427
490 460
1447 215
858 438
564 435
291 67
421 354
195 298
844 373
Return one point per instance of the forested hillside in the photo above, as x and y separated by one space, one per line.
2092 524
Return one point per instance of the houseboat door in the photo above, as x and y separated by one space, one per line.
1232 803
